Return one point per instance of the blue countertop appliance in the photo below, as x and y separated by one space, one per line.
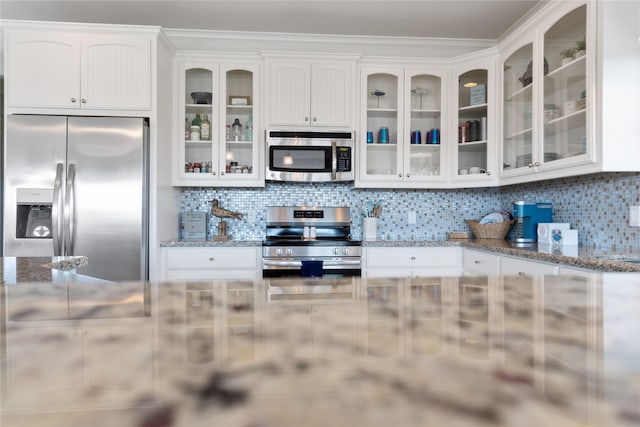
528 216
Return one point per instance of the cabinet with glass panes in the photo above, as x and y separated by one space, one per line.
401 127
475 94
545 118
217 144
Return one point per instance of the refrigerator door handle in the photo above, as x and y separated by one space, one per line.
56 213
69 209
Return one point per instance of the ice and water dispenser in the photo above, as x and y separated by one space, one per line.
33 219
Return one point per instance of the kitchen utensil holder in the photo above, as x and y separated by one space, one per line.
369 228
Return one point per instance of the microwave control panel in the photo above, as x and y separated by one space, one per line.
343 159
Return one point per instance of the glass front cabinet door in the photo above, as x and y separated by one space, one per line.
473 153
564 136
401 127
518 130
217 145
545 119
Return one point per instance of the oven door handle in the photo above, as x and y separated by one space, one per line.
334 161
298 263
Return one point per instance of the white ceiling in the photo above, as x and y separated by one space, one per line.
476 19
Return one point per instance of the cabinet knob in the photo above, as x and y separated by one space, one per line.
213 173
221 173
212 259
73 100
413 258
399 175
306 118
476 261
315 119
488 173
84 101
408 175
537 163
530 165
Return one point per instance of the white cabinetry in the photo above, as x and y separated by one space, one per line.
78 70
411 262
474 155
478 263
311 92
564 116
208 263
219 157
518 267
547 124
406 112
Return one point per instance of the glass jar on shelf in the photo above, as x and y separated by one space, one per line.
205 128
236 129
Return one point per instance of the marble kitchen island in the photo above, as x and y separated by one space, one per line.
469 351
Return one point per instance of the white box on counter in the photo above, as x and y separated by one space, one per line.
566 250
552 232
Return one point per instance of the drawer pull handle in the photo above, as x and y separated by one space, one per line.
476 262
413 258
212 259
521 273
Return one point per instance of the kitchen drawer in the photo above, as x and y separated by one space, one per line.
481 263
412 257
518 267
227 258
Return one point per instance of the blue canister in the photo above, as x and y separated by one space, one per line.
416 137
383 137
369 137
433 136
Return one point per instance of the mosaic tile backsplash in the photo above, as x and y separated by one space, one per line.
596 205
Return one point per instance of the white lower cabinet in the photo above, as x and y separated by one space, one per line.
411 262
478 263
54 364
208 263
518 267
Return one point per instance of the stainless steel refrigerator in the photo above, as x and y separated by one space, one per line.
78 186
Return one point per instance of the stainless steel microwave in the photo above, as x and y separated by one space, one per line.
310 156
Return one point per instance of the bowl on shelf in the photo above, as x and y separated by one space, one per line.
201 97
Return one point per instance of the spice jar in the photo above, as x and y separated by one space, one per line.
195 133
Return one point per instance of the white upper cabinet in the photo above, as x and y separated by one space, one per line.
65 70
310 93
403 117
546 126
567 92
475 92
218 114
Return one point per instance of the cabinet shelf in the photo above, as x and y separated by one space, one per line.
425 112
520 94
568 121
473 108
199 106
571 69
473 147
518 134
202 143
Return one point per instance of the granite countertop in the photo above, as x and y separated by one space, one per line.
340 352
600 259
42 269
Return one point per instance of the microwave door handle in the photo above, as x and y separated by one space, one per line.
334 161
56 211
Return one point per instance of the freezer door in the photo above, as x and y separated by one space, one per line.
34 151
106 200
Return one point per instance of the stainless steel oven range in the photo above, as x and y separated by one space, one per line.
310 241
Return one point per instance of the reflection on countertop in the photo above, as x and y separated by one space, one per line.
467 351
57 269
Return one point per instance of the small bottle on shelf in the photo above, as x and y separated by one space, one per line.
248 129
196 120
205 127
187 129
236 128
